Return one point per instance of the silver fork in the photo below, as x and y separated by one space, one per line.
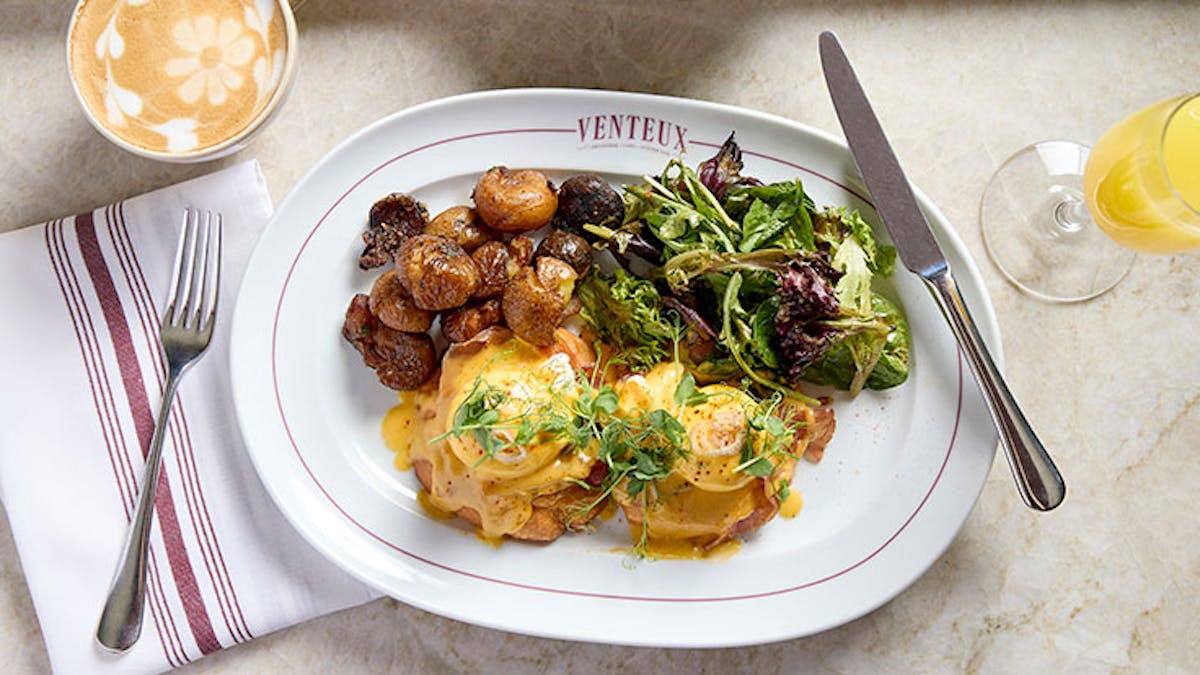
187 328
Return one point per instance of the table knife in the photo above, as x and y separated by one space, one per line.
1040 484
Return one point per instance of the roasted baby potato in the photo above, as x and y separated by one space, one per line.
515 200
569 248
437 272
461 225
556 276
495 266
408 360
588 199
401 361
392 220
393 304
464 323
521 249
536 298
498 262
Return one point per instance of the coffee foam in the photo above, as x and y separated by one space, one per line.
177 77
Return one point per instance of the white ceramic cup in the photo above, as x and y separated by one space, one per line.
108 105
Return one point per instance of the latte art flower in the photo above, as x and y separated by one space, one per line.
215 61
179 77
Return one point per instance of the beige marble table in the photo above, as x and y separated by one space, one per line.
1109 582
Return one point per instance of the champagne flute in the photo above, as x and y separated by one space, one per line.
1063 221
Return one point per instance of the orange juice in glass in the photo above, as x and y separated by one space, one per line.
1062 221
1142 179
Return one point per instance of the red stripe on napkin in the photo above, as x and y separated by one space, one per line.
201 519
153 349
102 399
139 406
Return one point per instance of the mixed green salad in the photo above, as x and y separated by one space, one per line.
746 280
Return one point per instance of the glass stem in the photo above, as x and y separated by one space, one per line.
1071 214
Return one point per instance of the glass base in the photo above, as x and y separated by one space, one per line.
1037 230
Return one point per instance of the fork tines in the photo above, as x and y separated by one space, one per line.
192 299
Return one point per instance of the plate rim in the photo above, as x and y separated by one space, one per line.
968 273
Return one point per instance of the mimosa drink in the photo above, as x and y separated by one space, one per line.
1142 179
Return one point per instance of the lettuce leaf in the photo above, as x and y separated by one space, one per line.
887 349
628 314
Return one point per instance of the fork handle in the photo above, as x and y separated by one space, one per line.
121 621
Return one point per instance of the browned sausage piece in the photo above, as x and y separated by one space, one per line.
515 200
437 272
391 302
461 225
392 220
464 323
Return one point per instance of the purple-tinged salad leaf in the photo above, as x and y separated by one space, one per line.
806 291
724 170
802 345
806 301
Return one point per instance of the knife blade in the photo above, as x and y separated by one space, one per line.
1038 480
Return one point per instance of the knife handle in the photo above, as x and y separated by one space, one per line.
1038 480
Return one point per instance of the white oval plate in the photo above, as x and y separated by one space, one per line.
900 477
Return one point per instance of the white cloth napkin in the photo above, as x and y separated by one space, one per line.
80 301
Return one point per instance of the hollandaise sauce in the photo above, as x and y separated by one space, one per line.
494 490
494 445
682 549
402 427
790 508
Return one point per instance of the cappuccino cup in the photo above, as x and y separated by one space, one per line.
181 80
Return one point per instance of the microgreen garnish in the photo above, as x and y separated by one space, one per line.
639 448
687 393
783 490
